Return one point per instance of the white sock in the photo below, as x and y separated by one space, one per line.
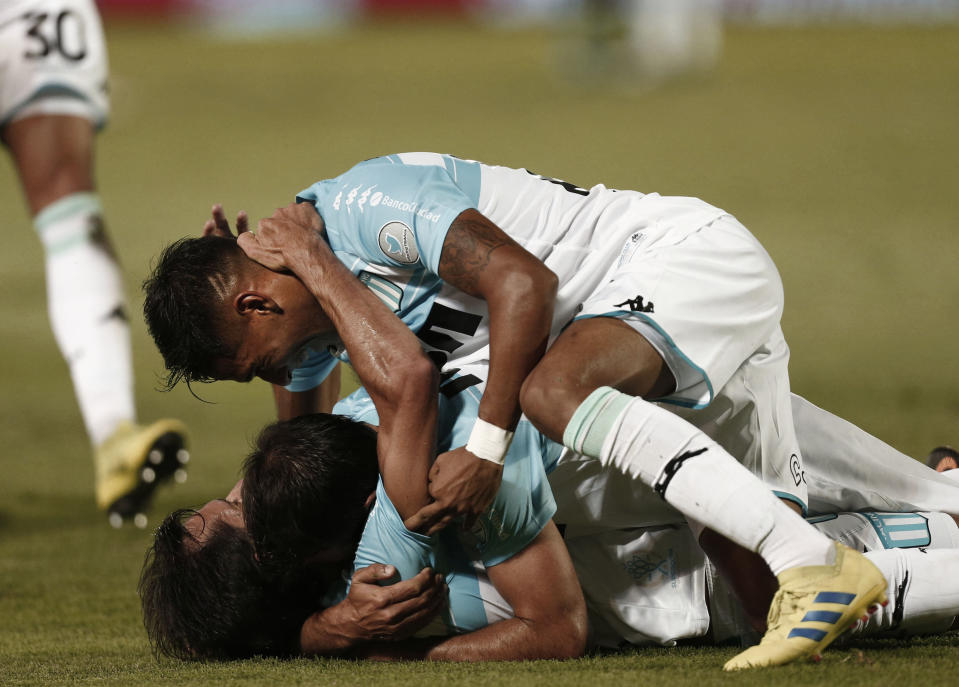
923 591
694 475
88 311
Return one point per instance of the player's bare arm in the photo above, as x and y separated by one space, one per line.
386 355
549 617
374 613
480 259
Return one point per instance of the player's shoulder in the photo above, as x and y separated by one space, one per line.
412 159
393 166
357 406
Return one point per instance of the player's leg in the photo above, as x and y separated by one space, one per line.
923 589
53 93
591 388
922 577
600 410
922 581
87 309
848 469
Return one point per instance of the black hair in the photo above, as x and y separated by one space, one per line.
210 599
937 454
305 488
180 305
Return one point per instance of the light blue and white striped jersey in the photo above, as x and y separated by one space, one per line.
522 507
387 218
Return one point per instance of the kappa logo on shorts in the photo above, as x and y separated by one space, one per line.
795 467
398 242
636 305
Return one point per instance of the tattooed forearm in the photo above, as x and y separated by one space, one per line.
469 244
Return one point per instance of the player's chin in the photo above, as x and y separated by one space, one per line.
281 377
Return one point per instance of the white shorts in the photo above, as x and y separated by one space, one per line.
642 587
751 416
706 301
53 60
710 303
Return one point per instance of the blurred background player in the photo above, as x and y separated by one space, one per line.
647 42
53 98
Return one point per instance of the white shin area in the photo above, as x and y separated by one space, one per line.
923 592
694 475
87 311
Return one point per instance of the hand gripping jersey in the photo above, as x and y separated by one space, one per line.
522 507
387 218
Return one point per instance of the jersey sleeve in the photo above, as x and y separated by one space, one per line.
386 540
358 406
388 213
521 509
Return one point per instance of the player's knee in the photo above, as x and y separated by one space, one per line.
548 402
48 181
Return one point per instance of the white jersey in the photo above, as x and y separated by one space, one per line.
387 219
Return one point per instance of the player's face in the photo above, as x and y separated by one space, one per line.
269 356
273 341
219 510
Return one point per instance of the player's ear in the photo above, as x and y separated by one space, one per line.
255 302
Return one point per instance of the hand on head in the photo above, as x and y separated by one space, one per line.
218 225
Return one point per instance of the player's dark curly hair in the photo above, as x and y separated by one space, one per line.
181 304
305 488
209 600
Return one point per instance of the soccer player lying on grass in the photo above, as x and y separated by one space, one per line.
318 528
643 585
205 595
666 298
309 472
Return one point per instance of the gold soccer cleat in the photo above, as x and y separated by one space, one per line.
814 605
133 462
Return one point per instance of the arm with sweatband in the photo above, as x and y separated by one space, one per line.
489 442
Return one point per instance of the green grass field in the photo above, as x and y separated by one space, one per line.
836 146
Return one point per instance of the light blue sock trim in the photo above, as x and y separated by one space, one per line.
84 203
593 419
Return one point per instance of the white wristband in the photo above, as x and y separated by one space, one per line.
489 442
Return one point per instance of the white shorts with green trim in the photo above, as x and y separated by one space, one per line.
705 301
710 303
53 60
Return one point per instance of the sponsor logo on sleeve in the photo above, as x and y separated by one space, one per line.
387 291
398 242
